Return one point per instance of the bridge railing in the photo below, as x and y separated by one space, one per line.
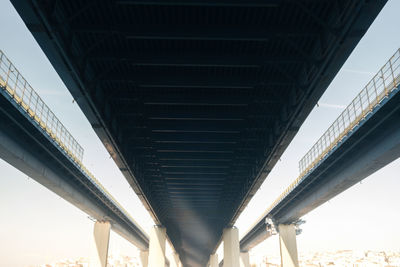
23 94
381 85
108 194
14 84
370 96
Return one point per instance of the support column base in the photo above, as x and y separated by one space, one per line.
102 237
231 247
288 245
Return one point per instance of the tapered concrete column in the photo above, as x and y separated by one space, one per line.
157 246
288 245
214 260
102 237
244 259
175 262
231 247
144 257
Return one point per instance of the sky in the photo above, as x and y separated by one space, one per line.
37 226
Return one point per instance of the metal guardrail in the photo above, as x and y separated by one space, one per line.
370 96
108 194
381 85
15 85
23 94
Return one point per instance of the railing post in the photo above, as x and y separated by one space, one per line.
1 69
361 106
349 117
391 69
8 76
383 82
369 101
355 111
23 94
1 58
16 83
376 90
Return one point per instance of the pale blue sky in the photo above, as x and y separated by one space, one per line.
36 226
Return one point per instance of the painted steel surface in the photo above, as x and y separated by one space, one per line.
25 100
197 100
372 95
366 132
23 94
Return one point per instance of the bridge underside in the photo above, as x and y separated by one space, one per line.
197 100
370 146
25 145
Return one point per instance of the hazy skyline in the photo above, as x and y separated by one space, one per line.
37 226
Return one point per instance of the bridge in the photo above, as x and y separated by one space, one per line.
362 140
195 101
34 141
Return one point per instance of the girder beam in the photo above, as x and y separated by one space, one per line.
191 60
197 32
190 81
227 3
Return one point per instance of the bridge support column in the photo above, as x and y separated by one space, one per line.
244 259
157 246
175 260
214 260
102 237
288 245
144 257
231 247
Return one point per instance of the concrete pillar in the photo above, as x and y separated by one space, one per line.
231 247
288 246
144 257
157 246
102 237
214 260
175 260
244 259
